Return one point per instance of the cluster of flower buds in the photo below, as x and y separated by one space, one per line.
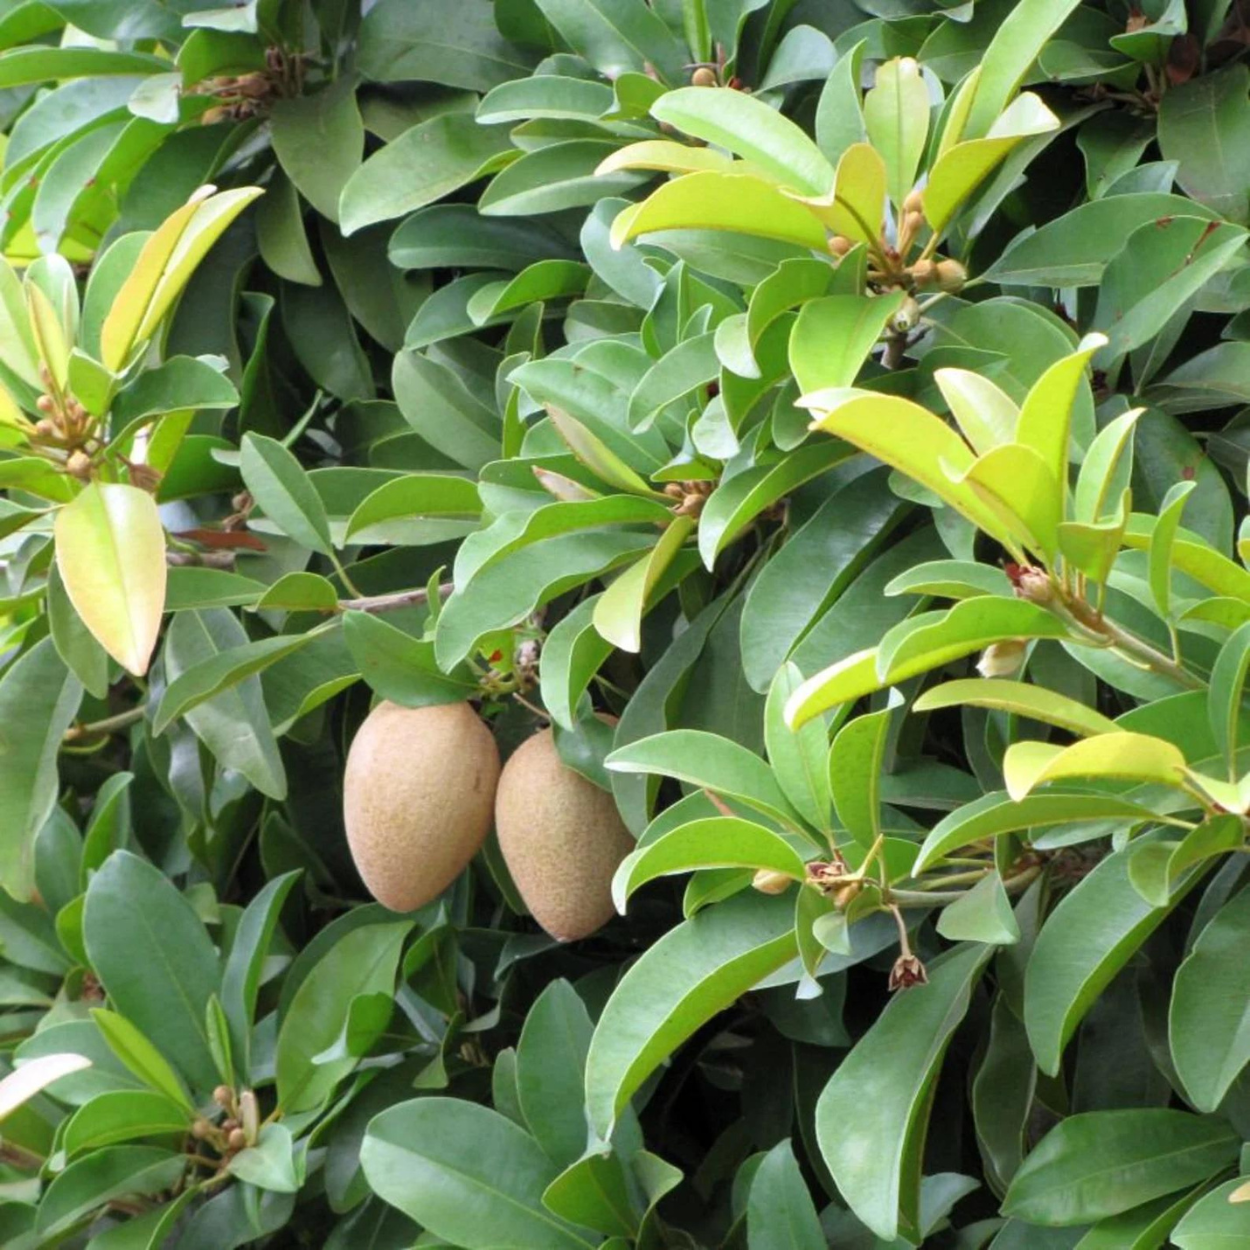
64 425
239 1129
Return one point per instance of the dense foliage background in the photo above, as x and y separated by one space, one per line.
849 398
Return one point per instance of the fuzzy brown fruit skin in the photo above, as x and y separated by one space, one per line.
418 797
562 839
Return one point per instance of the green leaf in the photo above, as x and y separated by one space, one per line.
559 176
132 906
201 682
679 983
466 1174
1086 941
361 962
1208 1025
983 914
449 43
780 1212
425 163
735 503
750 129
594 1192
799 758
240 981
708 761
1215 1222
1228 680
896 115
399 667
1076 248
283 492
550 1066
123 1115
233 724
875 1159
1020 699
269 1164
986 415
110 551
716 201
1092 1166
1200 128
617 36
319 141
39 699
88 1184
714 842
855 766
834 335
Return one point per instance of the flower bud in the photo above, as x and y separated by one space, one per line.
703 77
914 203
201 1128
1001 659
912 222
839 245
951 275
223 1095
79 465
766 881
237 1139
249 1115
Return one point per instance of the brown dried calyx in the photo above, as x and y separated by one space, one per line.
690 496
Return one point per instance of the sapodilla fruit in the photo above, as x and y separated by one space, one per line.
418 796
562 839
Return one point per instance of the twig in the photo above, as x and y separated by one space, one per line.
392 602
100 728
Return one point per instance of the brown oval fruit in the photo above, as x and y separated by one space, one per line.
418 794
562 838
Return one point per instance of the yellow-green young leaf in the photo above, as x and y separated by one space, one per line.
110 550
1019 698
834 335
1192 555
121 326
896 113
208 223
962 167
666 155
1093 548
856 205
718 201
752 130
11 414
957 114
48 334
1106 465
985 413
165 266
1159 558
1016 484
619 610
843 682
908 438
1016 43
1046 414
17 344
597 456
140 1056
1120 756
